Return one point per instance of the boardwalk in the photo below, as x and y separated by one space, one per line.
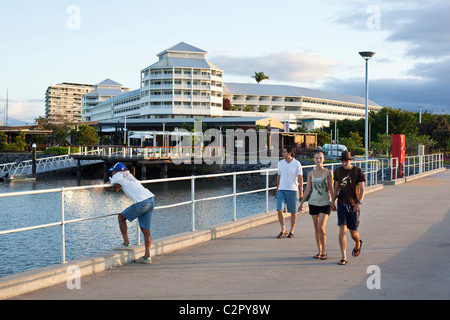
404 229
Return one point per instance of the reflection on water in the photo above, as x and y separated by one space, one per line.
38 248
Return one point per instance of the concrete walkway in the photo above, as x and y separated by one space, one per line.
405 233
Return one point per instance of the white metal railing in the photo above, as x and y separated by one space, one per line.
42 165
419 164
412 165
371 172
146 153
63 222
47 164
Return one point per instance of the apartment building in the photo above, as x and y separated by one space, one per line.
63 102
183 83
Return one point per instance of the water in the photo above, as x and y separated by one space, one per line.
42 247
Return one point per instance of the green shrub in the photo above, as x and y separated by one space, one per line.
60 150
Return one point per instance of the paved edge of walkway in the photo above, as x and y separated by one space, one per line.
40 278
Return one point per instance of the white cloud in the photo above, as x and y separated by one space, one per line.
25 111
423 25
294 66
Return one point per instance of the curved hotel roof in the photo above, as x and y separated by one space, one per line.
291 91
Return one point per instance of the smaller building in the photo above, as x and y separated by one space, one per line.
103 91
114 129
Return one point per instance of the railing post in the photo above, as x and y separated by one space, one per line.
234 197
267 190
193 201
63 233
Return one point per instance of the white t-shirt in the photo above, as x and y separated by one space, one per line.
289 172
131 186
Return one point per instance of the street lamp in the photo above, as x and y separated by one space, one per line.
420 114
366 56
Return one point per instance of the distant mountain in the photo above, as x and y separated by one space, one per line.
15 122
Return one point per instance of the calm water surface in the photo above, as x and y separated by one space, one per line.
39 248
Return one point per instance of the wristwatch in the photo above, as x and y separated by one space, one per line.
360 202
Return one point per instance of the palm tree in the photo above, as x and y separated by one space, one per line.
260 76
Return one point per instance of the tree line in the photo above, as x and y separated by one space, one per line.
433 131
79 135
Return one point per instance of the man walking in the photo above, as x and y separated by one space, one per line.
142 208
289 183
349 190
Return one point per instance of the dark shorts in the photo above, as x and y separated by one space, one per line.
315 210
346 216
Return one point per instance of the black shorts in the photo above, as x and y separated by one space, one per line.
346 216
315 210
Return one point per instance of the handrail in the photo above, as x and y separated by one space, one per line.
373 166
56 162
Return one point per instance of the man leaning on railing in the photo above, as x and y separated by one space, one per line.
142 208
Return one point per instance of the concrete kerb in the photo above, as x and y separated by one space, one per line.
33 280
413 177
424 174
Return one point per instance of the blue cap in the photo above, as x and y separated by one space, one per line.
118 167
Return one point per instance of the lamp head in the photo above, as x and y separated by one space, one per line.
367 54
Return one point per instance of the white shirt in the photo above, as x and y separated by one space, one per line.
289 172
131 186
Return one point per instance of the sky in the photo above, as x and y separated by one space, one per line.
310 43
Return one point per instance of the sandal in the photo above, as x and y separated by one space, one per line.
282 234
356 253
342 262
317 256
323 256
290 235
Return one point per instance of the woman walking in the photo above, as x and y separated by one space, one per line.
320 182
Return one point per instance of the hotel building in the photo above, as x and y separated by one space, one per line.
63 102
184 84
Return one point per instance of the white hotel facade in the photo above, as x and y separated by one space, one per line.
184 84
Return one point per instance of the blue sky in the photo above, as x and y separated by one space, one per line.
313 44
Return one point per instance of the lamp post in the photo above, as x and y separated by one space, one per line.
34 166
420 114
366 56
